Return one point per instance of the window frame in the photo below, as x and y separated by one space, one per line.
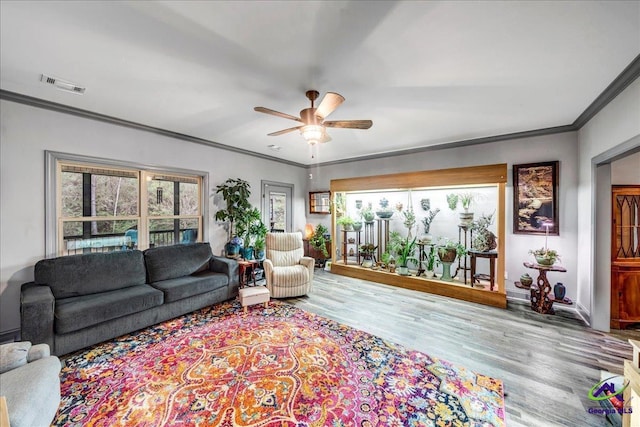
53 193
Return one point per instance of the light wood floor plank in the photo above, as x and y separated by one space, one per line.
548 363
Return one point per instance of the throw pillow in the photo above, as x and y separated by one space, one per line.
13 355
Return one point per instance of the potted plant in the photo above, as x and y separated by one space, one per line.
483 240
428 219
248 226
409 220
465 199
545 256
367 214
432 262
257 234
385 258
357 225
385 211
235 193
259 246
367 251
405 253
318 241
346 222
447 251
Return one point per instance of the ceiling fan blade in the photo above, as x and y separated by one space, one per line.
276 113
349 124
283 131
329 103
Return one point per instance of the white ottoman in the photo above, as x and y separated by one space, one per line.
254 295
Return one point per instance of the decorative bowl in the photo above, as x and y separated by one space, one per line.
545 260
384 214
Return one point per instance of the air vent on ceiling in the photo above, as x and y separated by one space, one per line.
62 84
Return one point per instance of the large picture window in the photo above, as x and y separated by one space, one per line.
102 207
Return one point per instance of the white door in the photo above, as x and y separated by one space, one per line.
277 202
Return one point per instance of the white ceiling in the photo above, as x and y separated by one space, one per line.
426 73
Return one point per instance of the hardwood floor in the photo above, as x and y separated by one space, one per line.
548 363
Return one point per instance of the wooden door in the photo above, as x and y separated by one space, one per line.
625 256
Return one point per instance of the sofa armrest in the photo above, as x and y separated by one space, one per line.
37 314
226 266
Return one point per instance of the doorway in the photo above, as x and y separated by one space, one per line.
625 256
277 206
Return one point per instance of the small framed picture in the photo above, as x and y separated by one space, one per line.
535 198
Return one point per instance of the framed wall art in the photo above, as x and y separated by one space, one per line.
535 198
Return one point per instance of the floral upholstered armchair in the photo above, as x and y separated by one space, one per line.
288 272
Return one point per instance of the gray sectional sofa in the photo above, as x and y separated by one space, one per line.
80 300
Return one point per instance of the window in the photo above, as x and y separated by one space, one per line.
111 207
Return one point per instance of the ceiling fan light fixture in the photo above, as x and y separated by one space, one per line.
312 133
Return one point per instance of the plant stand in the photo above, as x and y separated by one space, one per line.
383 235
491 277
345 244
541 297
422 257
446 271
369 236
465 235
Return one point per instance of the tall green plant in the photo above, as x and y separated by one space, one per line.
402 249
248 225
317 240
235 193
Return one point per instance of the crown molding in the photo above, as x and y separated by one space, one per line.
624 79
60 108
455 144
621 82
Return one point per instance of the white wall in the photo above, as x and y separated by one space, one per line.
562 147
614 126
27 132
626 171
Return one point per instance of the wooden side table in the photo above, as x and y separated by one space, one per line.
491 256
541 301
4 412
245 265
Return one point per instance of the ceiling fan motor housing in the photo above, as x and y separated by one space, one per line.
309 117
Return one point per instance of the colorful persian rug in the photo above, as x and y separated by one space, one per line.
276 366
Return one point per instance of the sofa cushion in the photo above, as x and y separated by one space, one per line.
72 314
171 262
187 286
292 275
76 275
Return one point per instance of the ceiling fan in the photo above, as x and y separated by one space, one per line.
313 127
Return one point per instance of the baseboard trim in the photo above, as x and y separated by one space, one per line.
582 311
10 336
517 295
